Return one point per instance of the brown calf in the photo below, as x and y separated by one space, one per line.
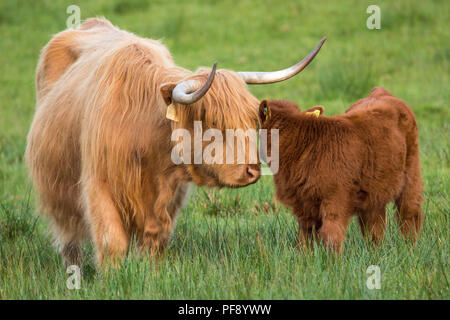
332 168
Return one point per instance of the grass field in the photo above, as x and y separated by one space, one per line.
237 244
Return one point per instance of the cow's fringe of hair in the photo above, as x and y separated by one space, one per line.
225 105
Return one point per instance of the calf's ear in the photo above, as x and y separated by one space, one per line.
264 111
166 91
320 108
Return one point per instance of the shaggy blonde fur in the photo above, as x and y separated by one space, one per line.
99 145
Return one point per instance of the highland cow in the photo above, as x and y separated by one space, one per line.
99 147
332 168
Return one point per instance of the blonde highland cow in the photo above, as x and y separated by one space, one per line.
99 147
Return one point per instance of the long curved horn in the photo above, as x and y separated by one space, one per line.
277 76
186 92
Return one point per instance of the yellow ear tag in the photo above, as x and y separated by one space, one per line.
315 113
171 113
267 113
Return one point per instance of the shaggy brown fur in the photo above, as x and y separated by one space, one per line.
332 168
99 146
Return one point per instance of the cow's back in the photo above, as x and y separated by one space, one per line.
96 38
62 51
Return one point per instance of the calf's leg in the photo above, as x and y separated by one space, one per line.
335 215
307 233
373 223
409 211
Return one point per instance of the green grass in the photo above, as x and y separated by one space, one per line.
234 244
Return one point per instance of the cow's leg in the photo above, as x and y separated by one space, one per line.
409 211
68 243
159 223
108 233
72 253
69 230
178 200
335 215
373 223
